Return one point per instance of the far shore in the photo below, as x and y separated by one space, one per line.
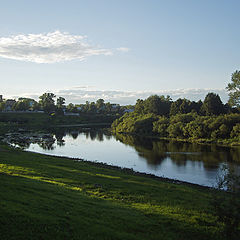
83 125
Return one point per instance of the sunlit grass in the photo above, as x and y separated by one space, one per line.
44 197
107 176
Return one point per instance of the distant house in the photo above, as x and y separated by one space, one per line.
69 113
115 107
31 103
9 105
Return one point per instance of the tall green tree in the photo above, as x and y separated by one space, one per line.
21 106
47 102
60 105
92 108
100 105
24 104
234 90
72 108
60 102
108 107
2 105
139 107
181 106
212 105
159 105
86 106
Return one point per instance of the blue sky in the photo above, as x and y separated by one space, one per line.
118 50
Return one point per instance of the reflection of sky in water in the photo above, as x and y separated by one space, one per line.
114 152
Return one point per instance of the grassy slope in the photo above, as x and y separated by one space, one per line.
45 197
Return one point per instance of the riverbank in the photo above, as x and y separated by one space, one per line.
10 121
201 141
84 125
222 130
46 197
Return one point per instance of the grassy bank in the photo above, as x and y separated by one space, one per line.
45 197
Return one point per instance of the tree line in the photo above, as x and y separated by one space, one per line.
49 105
185 119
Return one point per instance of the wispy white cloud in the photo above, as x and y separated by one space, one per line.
49 47
123 49
83 94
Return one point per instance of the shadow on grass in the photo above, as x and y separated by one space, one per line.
46 197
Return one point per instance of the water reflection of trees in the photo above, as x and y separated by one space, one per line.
156 151
23 141
146 148
59 135
47 145
46 138
60 142
21 144
93 134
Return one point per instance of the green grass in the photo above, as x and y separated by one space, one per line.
45 197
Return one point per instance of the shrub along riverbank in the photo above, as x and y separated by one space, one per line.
191 127
46 197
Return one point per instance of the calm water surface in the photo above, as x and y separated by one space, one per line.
186 162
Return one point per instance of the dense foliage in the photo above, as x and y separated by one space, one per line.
227 207
234 89
183 119
190 125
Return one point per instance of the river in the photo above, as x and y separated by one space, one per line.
192 163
